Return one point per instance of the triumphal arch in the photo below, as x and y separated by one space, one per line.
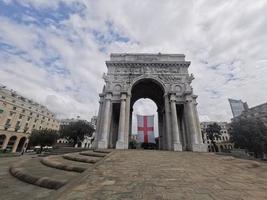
163 78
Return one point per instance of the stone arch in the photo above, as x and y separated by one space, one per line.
2 140
21 144
164 73
147 77
11 142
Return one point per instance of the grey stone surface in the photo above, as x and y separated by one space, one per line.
12 189
170 175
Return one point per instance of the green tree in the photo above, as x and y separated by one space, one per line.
44 137
250 134
75 132
213 131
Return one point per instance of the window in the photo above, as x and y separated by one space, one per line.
8 121
3 97
30 113
20 116
40 127
23 111
35 120
33 126
37 115
26 124
43 117
14 101
30 107
11 113
29 118
14 107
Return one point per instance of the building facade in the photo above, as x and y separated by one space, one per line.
237 106
164 79
258 112
223 142
18 117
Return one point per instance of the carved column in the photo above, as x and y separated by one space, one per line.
121 132
175 127
6 142
98 122
15 146
103 143
127 121
168 123
193 127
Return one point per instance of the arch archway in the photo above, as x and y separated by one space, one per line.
152 89
2 140
21 144
11 143
162 78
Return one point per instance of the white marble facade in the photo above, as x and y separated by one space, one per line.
164 79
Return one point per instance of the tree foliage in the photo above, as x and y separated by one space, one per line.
250 134
75 132
44 137
213 131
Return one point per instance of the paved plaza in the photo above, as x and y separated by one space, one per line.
169 175
139 174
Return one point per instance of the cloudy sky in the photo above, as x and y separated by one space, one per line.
54 50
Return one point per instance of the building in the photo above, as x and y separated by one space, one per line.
258 112
88 140
223 142
18 117
237 107
163 78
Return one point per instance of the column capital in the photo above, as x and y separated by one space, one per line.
108 96
123 96
173 97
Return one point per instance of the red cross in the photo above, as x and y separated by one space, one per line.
145 129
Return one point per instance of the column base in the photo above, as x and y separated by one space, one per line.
200 147
102 145
177 147
120 145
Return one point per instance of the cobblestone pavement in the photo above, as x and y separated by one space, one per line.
170 175
12 189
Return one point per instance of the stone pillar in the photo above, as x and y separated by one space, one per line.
175 126
121 133
127 121
194 129
168 123
15 146
6 142
103 143
98 122
160 128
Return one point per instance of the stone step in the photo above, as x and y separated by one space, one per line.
93 154
34 172
79 158
102 151
59 162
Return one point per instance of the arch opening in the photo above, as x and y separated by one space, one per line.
2 140
11 143
147 98
143 107
21 144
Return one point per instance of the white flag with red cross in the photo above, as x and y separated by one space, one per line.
145 129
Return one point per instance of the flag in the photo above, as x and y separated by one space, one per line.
145 129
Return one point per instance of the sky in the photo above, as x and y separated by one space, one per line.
54 51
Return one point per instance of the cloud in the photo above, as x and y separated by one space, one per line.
54 51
